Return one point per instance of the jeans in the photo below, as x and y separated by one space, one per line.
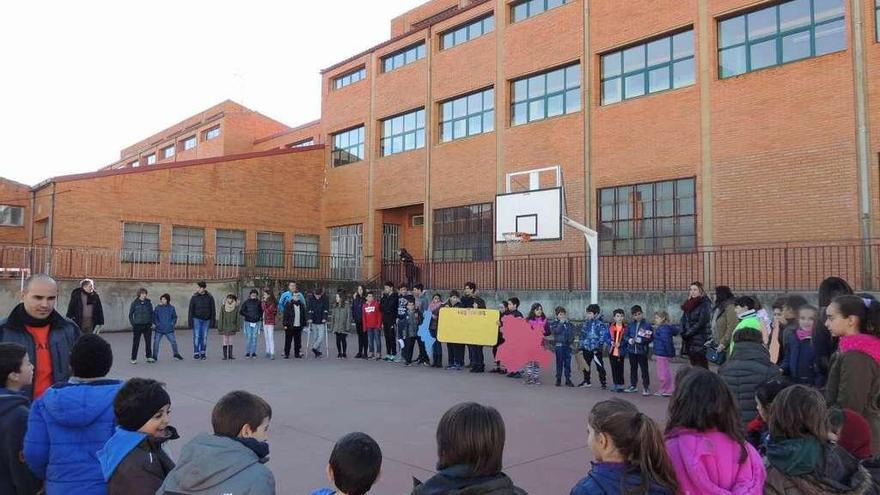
475 354
269 337
617 370
200 336
320 332
157 339
250 337
563 361
637 361
436 350
145 330
664 374
374 344
594 357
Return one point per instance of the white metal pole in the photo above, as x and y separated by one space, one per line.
593 242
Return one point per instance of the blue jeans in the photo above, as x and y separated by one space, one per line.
563 361
251 330
200 335
375 340
157 339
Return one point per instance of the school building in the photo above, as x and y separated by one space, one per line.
731 141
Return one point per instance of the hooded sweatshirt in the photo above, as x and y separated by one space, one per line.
606 477
458 480
134 463
707 463
66 428
213 464
854 381
806 466
15 478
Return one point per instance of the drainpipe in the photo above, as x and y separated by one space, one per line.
862 153
48 269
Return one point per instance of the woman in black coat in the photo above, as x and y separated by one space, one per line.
824 345
696 327
85 307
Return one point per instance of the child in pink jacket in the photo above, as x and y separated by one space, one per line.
705 440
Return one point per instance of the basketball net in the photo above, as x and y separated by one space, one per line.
515 240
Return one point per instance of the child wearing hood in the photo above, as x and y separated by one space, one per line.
135 460
16 373
233 459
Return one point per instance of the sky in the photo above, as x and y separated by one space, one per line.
80 80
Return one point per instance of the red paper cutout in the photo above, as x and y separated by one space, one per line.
521 344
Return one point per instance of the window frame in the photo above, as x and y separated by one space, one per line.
877 20
387 124
529 100
302 143
485 114
452 33
4 208
185 143
270 258
546 7
151 159
212 133
187 253
361 155
348 78
139 254
169 151
134 164
459 235
226 255
419 50
306 258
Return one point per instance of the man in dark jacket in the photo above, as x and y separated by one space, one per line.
85 307
16 372
319 313
388 304
202 316
140 315
47 336
746 368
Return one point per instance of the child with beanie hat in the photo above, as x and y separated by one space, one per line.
135 461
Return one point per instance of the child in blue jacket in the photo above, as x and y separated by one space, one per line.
593 339
639 336
664 351
165 319
562 331
797 361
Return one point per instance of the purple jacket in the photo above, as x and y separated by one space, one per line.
707 463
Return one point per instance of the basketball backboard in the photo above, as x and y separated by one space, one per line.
532 204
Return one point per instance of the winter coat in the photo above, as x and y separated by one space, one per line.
270 312
409 325
563 332
618 337
62 335
594 334
458 480
75 307
388 303
67 427
748 367
824 346
854 381
372 315
724 324
202 307
134 463
357 309
289 317
805 466
319 309
286 297
211 465
639 336
140 312
664 344
695 328
340 319
164 318
15 477
605 478
229 321
251 310
401 306
784 335
798 361
708 463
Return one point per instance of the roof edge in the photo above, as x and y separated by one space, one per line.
288 131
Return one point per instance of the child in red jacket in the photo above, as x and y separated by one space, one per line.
372 317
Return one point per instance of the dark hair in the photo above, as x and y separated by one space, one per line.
202 284
766 392
254 291
11 358
165 296
699 286
795 302
437 295
369 293
722 295
866 310
559 310
419 286
799 412
142 291
236 409
618 311
402 286
639 441
91 357
409 299
809 307
832 287
389 284
319 291
473 435
702 402
471 286
514 301
746 334
232 296
746 302
779 303
532 315
635 309
355 462
454 293
594 308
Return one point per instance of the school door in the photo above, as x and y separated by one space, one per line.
390 242
346 250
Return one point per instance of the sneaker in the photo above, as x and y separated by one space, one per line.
604 387
286 356
408 365
178 357
568 383
196 356
666 394
585 384
450 367
558 382
151 360
134 361
203 356
630 390
271 357
646 392
658 394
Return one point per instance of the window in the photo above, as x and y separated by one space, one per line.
348 146
212 133
305 251
877 18
468 115
189 143
168 151
11 216
134 164
390 242
403 133
524 9
140 242
302 144
648 218
467 32
463 233
350 78
657 65
151 159
544 95
187 245
270 249
783 33
417 220
230 247
346 250
41 228
403 57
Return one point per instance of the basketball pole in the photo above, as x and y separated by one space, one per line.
593 242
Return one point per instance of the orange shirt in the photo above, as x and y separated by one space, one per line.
43 364
617 333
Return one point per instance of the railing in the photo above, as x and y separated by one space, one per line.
773 267
76 262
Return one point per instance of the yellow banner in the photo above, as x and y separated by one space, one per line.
468 326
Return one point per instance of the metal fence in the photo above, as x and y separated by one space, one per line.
78 262
773 267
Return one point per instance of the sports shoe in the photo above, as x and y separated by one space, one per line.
134 361
151 360
666 394
630 390
568 383
450 367
585 384
178 357
646 392
558 382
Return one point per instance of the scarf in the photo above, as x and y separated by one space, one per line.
229 307
261 449
691 304
794 457
862 342
20 314
803 335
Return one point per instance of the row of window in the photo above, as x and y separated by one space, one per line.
403 57
302 144
185 144
351 77
11 216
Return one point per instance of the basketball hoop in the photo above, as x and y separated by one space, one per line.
515 240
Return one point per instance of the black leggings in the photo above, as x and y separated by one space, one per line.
617 369
362 338
341 343
390 331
